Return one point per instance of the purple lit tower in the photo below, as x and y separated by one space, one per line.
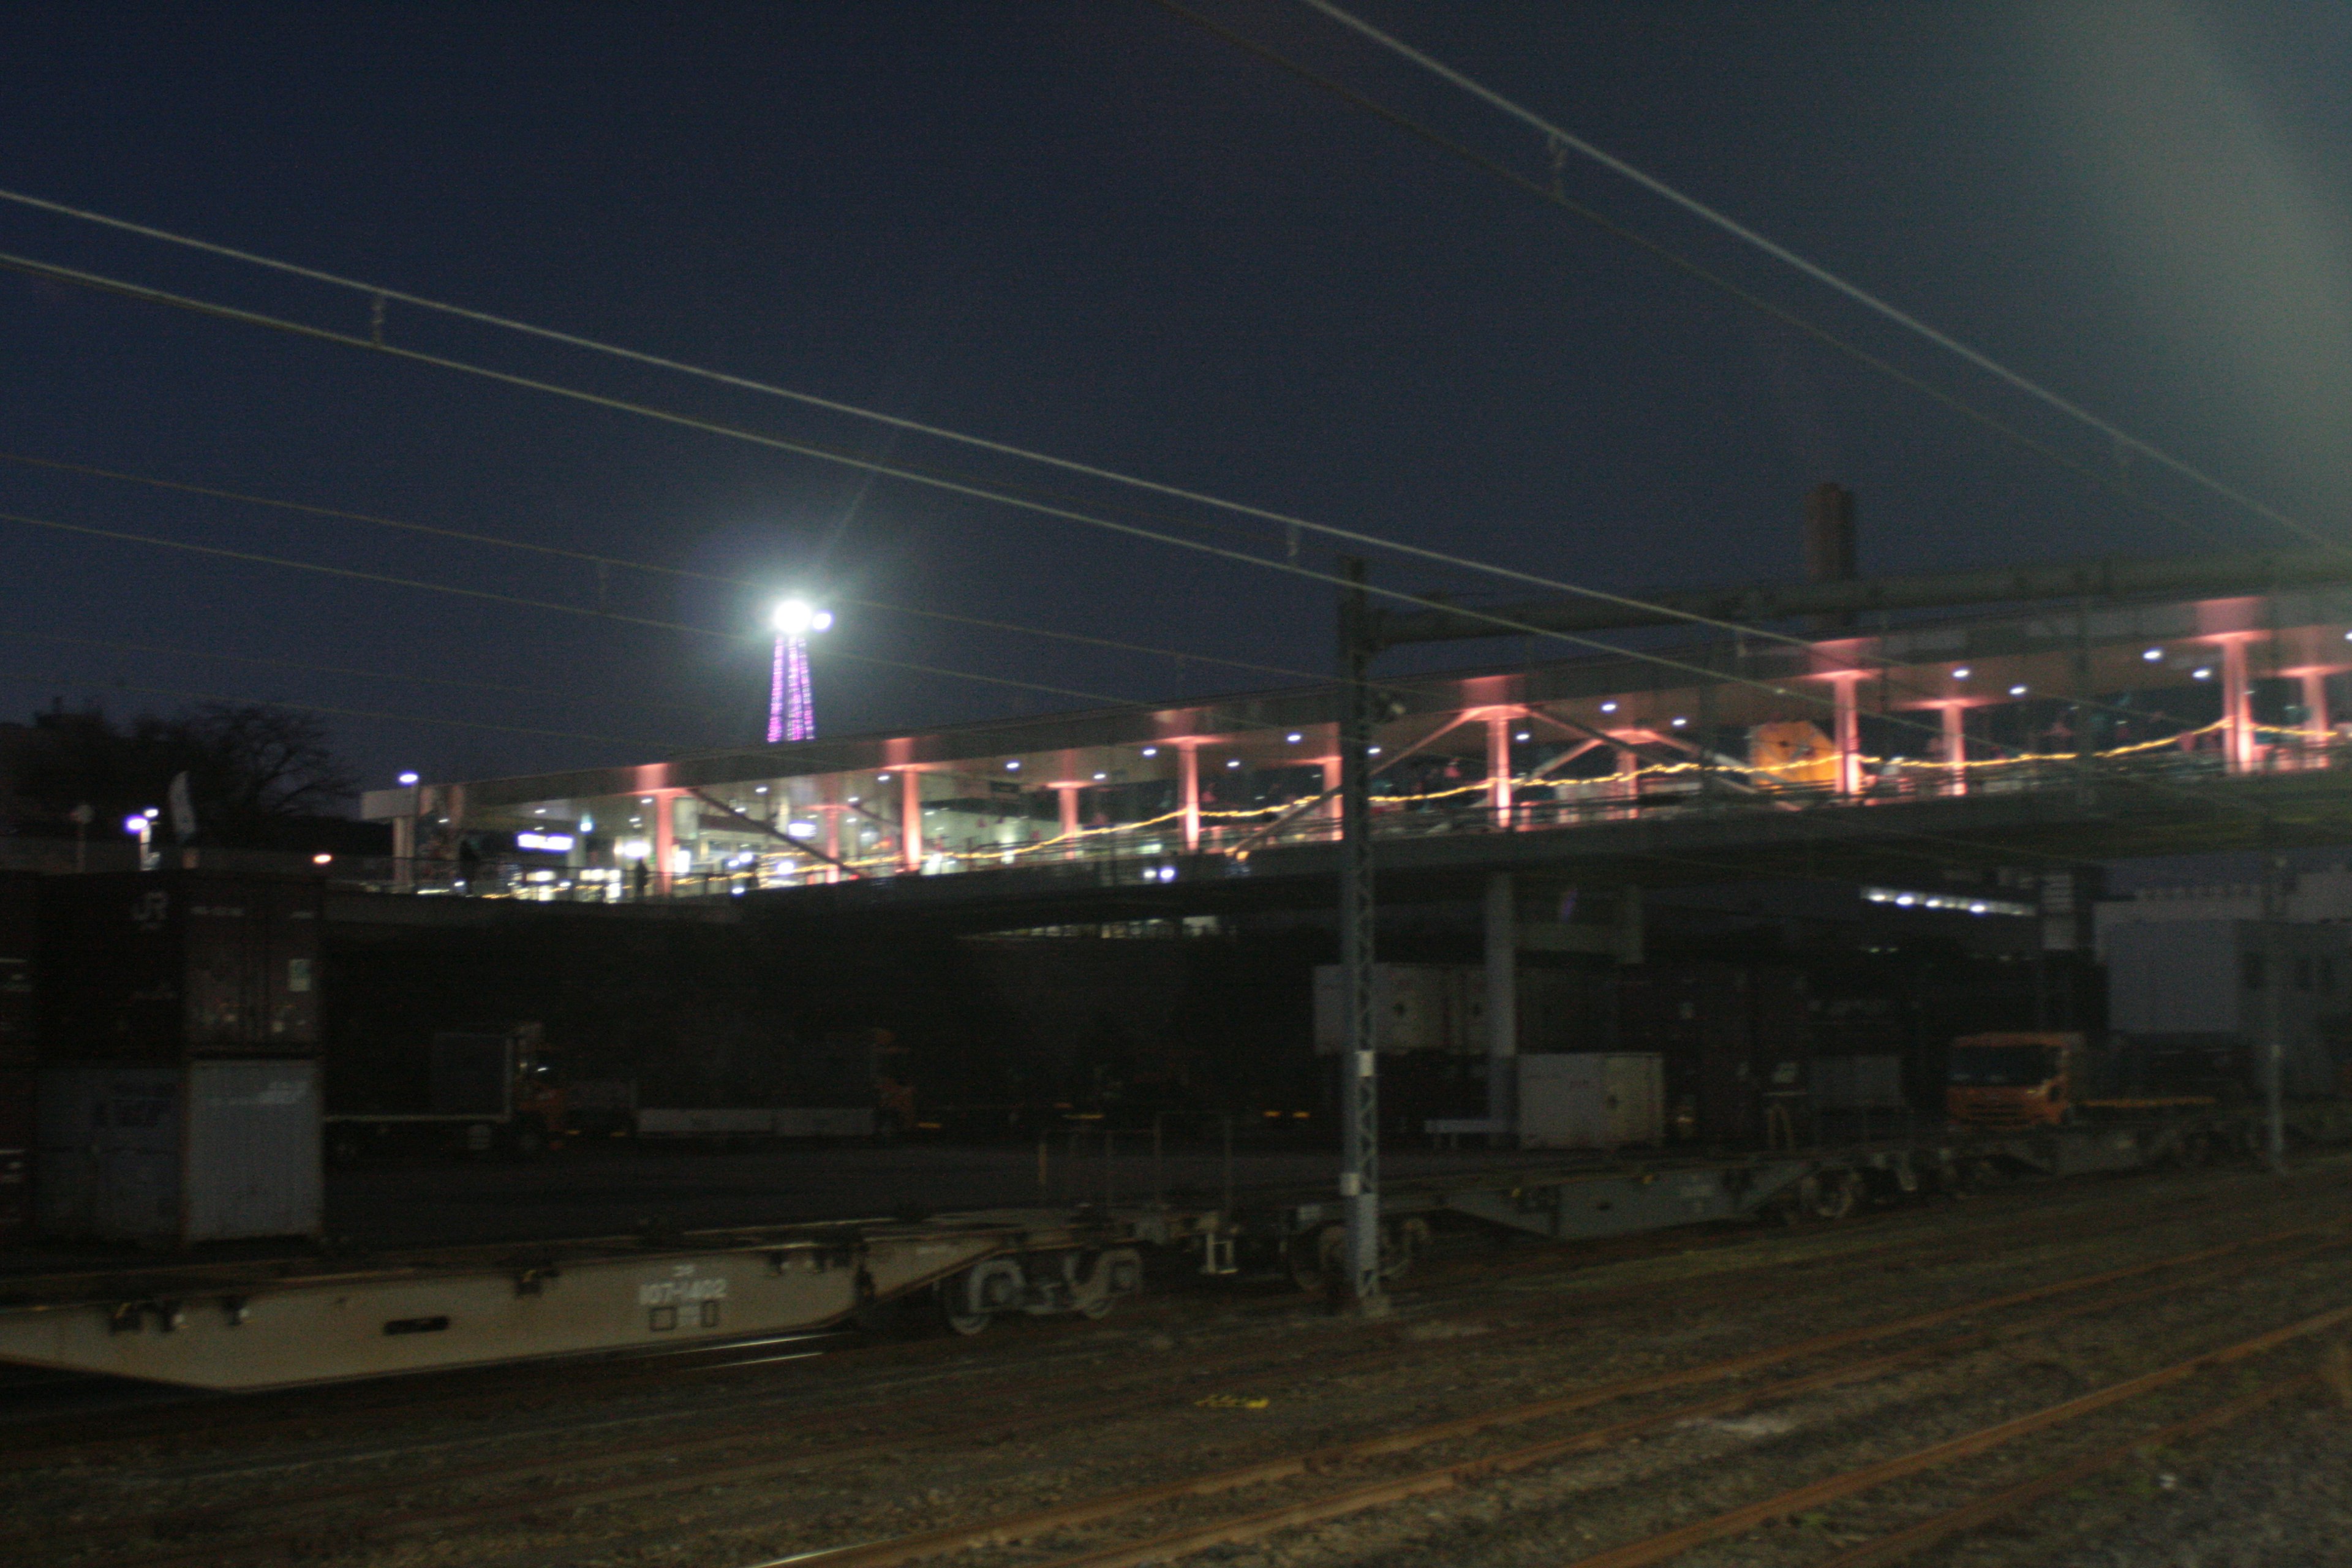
791 710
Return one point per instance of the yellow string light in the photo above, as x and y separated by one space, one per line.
1620 779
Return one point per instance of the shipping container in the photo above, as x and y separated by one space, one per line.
171 1156
1591 1101
164 966
17 1097
1736 1038
2210 992
1859 1083
1415 1008
1567 1009
1720 1093
473 1075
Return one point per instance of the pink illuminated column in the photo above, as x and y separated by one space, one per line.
833 832
1848 734
910 819
1498 766
1956 747
1188 792
1627 779
1332 807
2237 707
2315 719
665 838
1069 794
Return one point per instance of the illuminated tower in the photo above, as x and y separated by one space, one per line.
791 708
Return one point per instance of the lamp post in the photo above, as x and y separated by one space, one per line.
142 826
403 839
791 708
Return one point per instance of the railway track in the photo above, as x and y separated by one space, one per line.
1316 1467
297 1414
1670 1544
225 1533
1245 1366
1843 1247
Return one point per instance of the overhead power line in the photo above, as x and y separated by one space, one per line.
1505 624
1554 135
347 713
468 536
309 667
1282 520
1032 502
631 563
489 596
2089 473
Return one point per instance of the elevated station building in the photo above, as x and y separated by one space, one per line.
2200 672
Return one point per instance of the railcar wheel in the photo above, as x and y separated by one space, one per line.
959 1321
1826 1197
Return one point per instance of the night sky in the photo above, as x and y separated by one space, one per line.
1094 229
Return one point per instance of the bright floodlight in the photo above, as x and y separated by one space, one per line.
134 825
798 617
408 780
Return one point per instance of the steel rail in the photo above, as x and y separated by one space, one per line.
1898 1544
1672 1543
1561 1318
1169 1547
210 1521
213 1419
1715 1287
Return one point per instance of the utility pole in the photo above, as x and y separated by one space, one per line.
1360 1084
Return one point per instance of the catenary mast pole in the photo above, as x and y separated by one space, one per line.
1360 1185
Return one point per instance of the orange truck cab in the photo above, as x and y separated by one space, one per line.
2012 1081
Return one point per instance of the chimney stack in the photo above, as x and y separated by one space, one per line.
1828 543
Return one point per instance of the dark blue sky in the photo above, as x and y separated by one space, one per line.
1096 230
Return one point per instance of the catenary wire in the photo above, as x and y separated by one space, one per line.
345 712
1504 623
1814 271
307 665
896 422
2087 472
1105 701
481 594
628 563
139 648
1870 661
591 558
95 280
492 598
98 282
